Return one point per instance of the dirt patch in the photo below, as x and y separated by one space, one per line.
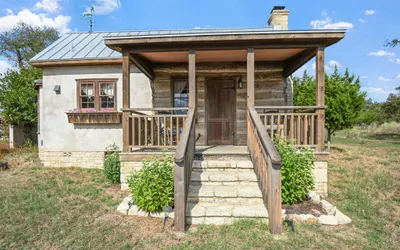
305 207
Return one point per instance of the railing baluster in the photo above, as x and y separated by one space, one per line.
172 131
165 131
152 131
285 128
298 138
271 127
145 131
305 130
279 127
158 131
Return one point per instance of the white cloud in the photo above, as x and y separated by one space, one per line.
381 53
362 20
4 65
377 93
397 60
398 76
370 12
59 22
102 7
50 6
9 11
326 23
381 78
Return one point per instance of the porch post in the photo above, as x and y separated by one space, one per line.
192 81
250 77
320 96
125 99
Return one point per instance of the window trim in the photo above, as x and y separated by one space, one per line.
96 82
100 95
173 89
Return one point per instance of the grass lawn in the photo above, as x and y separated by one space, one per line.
45 208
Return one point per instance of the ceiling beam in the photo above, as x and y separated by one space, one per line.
295 62
143 65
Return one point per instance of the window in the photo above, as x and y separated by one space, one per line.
181 95
97 95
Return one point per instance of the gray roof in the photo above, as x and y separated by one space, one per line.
86 46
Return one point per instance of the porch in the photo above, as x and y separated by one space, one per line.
235 113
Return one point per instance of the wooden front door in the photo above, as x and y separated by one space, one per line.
221 112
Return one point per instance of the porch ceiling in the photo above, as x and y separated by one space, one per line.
221 55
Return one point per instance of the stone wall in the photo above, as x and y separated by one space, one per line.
321 177
83 159
270 89
126 170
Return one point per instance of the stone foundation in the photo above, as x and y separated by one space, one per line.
126 170
321 177
82 159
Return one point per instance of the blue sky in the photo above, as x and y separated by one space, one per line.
369 24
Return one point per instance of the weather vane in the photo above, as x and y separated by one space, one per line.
89 14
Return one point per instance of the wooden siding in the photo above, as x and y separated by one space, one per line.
269 91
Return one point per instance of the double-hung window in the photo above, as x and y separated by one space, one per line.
97 95
180 95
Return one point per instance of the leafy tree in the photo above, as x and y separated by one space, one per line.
371 113
343 98
24 41
391 108
18 97
392 43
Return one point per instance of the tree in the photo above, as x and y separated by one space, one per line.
391 108
371 113
392 43
343 98
18 97
24 41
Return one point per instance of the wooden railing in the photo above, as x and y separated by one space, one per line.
184 156
154 128
292 122
267 165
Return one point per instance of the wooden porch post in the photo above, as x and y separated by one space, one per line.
125 99
192 80
320 96
250 77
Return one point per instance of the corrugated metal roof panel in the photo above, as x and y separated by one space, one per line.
85 45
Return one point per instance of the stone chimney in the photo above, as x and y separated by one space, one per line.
279 18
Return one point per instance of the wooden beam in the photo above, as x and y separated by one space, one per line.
295 62
126 75
250 77
320 96
192 80
143 65
90 62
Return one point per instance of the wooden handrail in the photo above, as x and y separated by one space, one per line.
290 107
264 137
153 109
267 166
184 157
182 146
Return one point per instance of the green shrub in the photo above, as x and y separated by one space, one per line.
112 164
297 172
153 185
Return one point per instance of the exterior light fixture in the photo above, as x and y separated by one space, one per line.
57 89
240 83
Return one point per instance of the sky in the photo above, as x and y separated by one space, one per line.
369 24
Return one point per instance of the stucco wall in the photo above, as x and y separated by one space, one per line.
56 134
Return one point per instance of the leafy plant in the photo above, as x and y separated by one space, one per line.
112 165
153 185
297 171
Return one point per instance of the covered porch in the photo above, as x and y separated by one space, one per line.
229 99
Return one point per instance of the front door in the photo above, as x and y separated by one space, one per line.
221 112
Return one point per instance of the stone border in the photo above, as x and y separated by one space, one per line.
128 208
333 218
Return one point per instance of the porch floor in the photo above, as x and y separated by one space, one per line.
203 150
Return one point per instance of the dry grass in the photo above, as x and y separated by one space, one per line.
44 208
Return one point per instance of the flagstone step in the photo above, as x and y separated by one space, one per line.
250 190
201 165
234 177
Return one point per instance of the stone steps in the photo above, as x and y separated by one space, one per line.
223 188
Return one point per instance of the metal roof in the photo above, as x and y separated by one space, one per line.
86 46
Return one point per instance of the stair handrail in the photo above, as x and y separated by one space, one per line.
267 165
184 156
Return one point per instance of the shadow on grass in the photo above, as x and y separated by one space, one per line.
390 137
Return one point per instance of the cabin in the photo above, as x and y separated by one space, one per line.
215 99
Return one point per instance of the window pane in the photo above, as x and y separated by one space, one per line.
106 89
181 94
107 102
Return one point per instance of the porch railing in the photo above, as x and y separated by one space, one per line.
184 156
267 166
292 122
155 128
